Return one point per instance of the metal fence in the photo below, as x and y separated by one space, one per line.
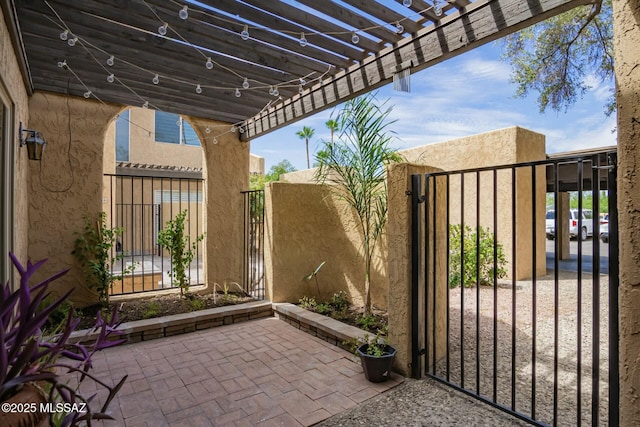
506 308
253 248
141 206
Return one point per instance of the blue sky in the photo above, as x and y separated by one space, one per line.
465 95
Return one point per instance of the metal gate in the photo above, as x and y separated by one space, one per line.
505 307
253 248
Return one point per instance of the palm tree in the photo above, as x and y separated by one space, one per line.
355 166
305 134
333 126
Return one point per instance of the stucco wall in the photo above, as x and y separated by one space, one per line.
67 183
226 168
256 165
11 80
626 15
306 225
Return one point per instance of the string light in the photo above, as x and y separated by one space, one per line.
209 64
208 129
215 140
406 3
300 89
111 78
62 64
355 38
238 94
302 81
162 29
276 92
72 42
198 89
436 8
303 40
184 12
399 28
245 83
110 61
233 128
156 79
245 33
64 35
87 94
241 129
145 105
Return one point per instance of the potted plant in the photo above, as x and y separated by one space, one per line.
376 356
37 368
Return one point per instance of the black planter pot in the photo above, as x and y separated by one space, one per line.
377 369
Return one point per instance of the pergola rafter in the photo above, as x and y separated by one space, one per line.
309 77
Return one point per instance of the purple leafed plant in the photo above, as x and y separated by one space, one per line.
29 356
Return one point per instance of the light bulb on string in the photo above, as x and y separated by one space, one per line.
241 129
436 8
146 104
320 81
300 89
355 38
87 94
208 129
399 28
72 42
162 29
406 3
245 83
111 78
215 140
233 128
238 94
245 33
64 35
62 64
271 90
156 79
184 12
302 81
209 64
303 40
276 92
110 61
198 89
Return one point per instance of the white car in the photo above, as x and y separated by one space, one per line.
574 232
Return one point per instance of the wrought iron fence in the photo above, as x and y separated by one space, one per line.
525 324
253 248
141 206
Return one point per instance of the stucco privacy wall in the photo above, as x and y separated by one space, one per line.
626 19
12 83
495 148
67 183
399 264
226 168
306 225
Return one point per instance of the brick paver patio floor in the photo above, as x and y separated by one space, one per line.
263 372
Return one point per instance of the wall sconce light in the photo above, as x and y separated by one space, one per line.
34 141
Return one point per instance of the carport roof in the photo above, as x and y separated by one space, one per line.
329 69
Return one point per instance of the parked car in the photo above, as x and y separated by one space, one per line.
604 232
574 232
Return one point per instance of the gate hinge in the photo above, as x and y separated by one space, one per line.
421 199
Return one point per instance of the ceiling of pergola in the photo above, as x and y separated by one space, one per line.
332 68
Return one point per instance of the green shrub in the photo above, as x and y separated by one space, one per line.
152 310
472 262
340 301
197 304
308 303
323 308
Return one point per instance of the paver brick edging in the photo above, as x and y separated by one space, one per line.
143 330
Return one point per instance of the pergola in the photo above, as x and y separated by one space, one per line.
259 65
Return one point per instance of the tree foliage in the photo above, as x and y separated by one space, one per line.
354 166
558 57
306 133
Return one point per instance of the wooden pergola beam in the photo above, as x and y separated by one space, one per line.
481 22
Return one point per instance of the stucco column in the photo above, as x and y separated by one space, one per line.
226 170
67 183
626 19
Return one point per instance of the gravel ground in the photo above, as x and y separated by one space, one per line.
429 403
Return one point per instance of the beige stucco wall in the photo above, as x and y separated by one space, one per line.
226 168
256 165
63 187
11 80
306 225
626 15
495 148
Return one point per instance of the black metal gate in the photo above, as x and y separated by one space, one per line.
505 307
253 248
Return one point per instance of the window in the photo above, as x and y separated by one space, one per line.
171 128
122 137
